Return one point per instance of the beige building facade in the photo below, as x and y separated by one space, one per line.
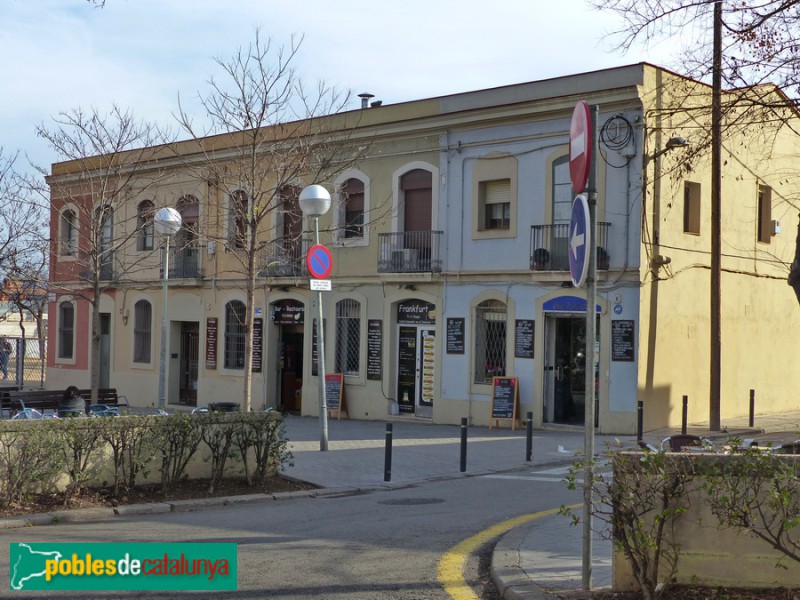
449 233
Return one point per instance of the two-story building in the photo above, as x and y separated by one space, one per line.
450 249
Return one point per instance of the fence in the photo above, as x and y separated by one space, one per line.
25 366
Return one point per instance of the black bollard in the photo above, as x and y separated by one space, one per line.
752 408
529 437
387 458
685 415
639 420
463 444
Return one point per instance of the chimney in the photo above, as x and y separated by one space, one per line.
365 99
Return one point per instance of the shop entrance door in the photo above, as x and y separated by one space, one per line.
189 362
565 369
291 367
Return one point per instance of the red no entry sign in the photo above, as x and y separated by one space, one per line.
319 261
580 146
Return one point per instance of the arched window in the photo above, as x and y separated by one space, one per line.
142 331
234 334
186 261
66 329
417 188
237 219
144 224
348 337
490 340
352 194
68 237
104 240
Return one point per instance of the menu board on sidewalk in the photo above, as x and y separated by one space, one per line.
334 394
505 400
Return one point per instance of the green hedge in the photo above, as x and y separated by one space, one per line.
65 455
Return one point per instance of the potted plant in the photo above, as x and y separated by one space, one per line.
602 258
541 256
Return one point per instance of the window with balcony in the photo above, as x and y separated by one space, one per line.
490 340
142 331
144 225
234 334
352 194
66 329
348 337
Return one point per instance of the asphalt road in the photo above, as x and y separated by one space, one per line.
381 544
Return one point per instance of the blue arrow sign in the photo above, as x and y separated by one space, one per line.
580 241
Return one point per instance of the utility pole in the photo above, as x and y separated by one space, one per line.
716 225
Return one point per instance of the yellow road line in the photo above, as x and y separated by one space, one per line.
451 567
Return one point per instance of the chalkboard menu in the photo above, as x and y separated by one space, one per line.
334 393
374 349
622 340
523 339
314 348
258 332
505 399
211 343
455 336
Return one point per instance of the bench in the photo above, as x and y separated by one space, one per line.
6 409
46 401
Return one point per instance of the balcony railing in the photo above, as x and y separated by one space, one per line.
550 247
285 257
410 252
184 262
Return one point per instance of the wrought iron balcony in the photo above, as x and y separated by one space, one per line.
285 257
550 247
410 252
184 262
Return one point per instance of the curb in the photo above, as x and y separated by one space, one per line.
510 579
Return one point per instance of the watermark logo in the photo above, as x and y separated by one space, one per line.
80 566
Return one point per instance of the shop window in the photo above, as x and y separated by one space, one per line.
142 331
66 329
144 224
764 214
348 337
68 233
234 334
691 207
490 341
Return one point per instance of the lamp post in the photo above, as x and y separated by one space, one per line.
167 222
315 202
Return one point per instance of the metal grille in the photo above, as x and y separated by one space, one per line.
142 330
234 334
25 363
348 337
490 341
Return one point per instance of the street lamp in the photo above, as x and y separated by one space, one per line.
167 222
315 201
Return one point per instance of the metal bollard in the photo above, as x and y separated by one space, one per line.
639 420
685 415
529 437
463 444
387 457
752 419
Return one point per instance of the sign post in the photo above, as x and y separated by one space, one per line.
583 257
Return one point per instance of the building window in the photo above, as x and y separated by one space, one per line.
237 219
144 224
348 337
66 329
562 191
234 334
69 233
142 330
764 214
353 205
496 199
490 341
691 207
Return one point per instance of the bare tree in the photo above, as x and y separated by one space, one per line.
271 133
108 160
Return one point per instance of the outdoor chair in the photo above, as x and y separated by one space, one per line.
677 443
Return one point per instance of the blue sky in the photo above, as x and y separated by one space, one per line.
64 54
